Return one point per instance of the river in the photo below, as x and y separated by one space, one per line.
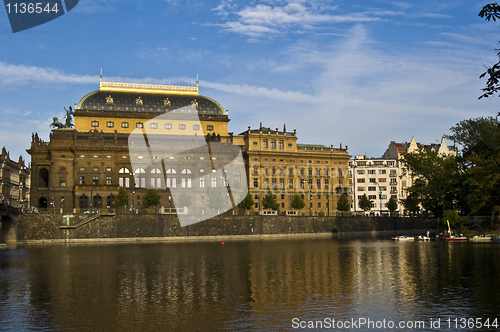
262 285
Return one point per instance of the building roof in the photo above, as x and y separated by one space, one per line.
317 146
142 98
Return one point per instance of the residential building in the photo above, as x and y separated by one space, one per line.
15 181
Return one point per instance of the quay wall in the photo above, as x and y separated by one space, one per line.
32 228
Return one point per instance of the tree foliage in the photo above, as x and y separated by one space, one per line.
151 198
364 203
480 162
269 202
491 12
436 180
297 202
216 200
343 203
412 204
121 198
247 203
392 204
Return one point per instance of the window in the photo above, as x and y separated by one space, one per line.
383 188
393 172
340 183
210 127
202 182
393 180
214 182
63 182
318 184
361 172
372 196
290 183
273 144
382 180
108 169
361 188
138 125
310 184
360 180
196 127
340 172
266 183
154 125
404 184
381 171
255 170
82 169
124 124
110 124
310 172
94 123
168 126
282 205
383 196
372 180
274 183
318 172
319 205
82 180
372 188
290 171
327 184
254 143
108 180
182 126
264 143
302 172
95 169
255 182
281 144
371 171
290 145
95 180
302 183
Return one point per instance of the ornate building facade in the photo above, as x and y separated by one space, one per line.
15 181
83 167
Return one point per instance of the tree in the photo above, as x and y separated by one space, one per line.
269 202
297 202
121 198
365 203
151 198
185 200
247 203
392 204
480 161
491 12
343 203
412 204
437 180
216 200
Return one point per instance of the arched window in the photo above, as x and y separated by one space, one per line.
124 180
124 170
171 179
110 202
97 201
140 177
186 181
155 179
44 177
83 202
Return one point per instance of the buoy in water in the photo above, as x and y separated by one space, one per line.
222 242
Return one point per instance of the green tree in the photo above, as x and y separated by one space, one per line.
247 203
491 12
269 202
216 200
392 204
185 199
364 203
121 198
297 202
412 204
437 180
343 203
151 198
480 161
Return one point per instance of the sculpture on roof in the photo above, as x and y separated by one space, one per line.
56 124
69 119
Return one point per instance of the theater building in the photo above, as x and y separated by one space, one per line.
83 167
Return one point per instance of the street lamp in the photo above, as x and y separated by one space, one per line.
133 190
379 197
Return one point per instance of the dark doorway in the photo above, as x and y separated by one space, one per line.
42 203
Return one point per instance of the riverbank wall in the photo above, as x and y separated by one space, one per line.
45 228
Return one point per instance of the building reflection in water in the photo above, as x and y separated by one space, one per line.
242 285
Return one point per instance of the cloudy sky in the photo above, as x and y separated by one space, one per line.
356 73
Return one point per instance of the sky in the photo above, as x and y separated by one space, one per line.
356 73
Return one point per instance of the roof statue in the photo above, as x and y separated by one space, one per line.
56 124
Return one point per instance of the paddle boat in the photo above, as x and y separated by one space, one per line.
403 238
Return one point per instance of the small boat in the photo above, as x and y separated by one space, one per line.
481 238
423 238
403 238
455 238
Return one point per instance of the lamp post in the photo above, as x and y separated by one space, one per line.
91 197
379 197
133 190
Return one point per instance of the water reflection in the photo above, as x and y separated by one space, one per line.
258 285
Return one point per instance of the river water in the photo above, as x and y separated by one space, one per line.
263 285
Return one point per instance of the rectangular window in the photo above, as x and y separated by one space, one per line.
403 183
154 125
182 126
95 169
372 188
120 182
95 123
210 127
327 184
290 171
310 172
340 183
108 180
393 180
95 180
273 144
82 180
393 172
196 127
124 124
282 183
302 181
383 188
340 173
264 143
310 184
372 196
381 171
383 196
202 182
382 180
361 188
290 183
361 172
274 183
318 184
138 125
255 182
266 183
110 124
372 180
281 144
360 196
255 170
371 171
214 182
360 180
319 205
168 126
82 169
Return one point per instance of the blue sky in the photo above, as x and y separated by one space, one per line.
359 73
